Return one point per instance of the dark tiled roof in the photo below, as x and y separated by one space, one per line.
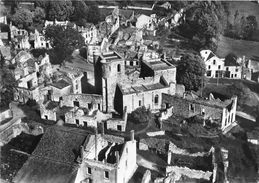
211 55
59 144
53 160
39 169
60 84
231 60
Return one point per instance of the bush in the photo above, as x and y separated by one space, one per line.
31 103
140 115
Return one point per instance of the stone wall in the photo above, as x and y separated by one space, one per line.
6 114
84 100
118 124
57 93
128 162
48 114
23 95
147 99
188 108
31 77
80 119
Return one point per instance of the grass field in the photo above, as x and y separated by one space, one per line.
239 47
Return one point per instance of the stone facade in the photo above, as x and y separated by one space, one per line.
223 113
83 101
107 159
118 124
121 88
30 73
90 33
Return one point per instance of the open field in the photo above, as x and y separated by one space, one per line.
239 47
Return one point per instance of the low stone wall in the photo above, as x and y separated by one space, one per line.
5 114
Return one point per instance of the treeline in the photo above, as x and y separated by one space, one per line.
77 11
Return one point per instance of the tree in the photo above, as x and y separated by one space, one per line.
23 18
190 72
80 13
64 40
202 24
56 10
249 25
93 15
140 115
39 18
7 85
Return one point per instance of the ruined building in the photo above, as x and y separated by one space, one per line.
106 158
122 88
219 112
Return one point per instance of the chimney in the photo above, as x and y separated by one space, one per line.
164 56
95 57
169 157
132 135
102 128
96 144
117 156
125 114
82 151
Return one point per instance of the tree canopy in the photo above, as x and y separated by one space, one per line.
39 18
56 10
29 20
23 18
190 71
80 13
202 24
7 85
93 15
63 40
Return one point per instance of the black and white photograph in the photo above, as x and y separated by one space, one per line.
129 91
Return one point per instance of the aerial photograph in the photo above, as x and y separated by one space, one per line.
129 91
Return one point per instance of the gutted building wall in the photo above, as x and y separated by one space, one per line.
150 99
189 108
82 100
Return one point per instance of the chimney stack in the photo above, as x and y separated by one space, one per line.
125 114
132 135
82 151
96 144
169 157
102 128
117 156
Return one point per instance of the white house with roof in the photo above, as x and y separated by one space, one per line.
214 64
229 67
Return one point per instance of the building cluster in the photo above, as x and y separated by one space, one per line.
124 74
230 67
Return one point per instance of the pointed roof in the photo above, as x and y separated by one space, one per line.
210 56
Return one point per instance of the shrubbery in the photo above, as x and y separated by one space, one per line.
140 115
31 103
